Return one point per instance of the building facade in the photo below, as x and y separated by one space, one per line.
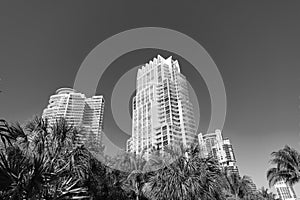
162 113
77 110
252 186
284 191
213 144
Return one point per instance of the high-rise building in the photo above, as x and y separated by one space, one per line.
213 144
284 191
93 117
252 185
65 103
77 110
162 112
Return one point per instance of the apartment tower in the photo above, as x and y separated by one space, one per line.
213 144
79 111
162 113
285 191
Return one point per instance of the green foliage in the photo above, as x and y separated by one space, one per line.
188 176
239 187
38 162
44 161
287 166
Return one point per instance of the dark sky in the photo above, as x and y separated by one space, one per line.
255 45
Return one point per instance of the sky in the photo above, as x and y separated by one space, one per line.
255 45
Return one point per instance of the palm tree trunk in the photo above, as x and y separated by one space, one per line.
237 197
181 192
137 194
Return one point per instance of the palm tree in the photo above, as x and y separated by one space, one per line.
39 160
287 161
238 187
187 177
12 165
264 192
7 133
135 167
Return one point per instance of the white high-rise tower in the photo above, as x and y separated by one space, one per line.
285 191
162 112
77 110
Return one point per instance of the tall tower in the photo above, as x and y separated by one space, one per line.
284 191
92 120
213 144
65 103
162 112
77 110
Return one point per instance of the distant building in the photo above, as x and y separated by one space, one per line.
162 113
93 117
253 186
213 144
284 191
77 110
65 103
